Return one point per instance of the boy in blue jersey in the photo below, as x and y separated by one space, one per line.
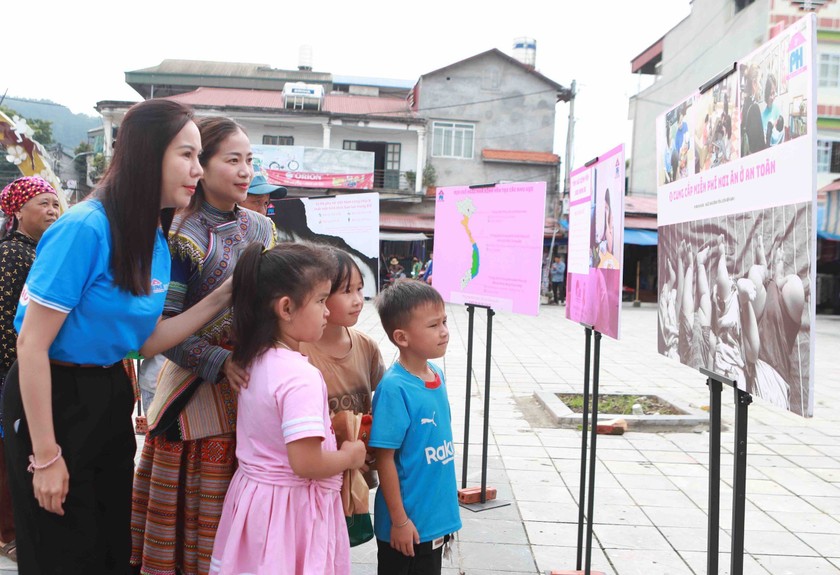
416 509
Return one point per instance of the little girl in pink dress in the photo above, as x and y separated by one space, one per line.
282 513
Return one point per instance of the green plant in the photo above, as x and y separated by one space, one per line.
98 167
411 179
429 176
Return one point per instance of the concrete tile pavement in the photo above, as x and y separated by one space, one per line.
651 488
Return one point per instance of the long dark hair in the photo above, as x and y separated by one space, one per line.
261 276
130 190
214 130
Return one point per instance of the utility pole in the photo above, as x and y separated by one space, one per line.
570 141
559 206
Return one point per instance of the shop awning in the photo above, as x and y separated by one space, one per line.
828 218
402 237
640 237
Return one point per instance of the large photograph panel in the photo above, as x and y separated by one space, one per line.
737 237
736 298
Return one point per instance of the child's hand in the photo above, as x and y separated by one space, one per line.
404 537
356 450
370 460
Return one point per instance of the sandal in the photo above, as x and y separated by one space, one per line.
9 550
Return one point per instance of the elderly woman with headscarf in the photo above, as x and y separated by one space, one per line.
31 205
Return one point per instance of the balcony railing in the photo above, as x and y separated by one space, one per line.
393 181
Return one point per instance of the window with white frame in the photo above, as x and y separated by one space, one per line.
453 140
828 156
278 140
830 70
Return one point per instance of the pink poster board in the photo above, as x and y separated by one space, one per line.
488 245
596 243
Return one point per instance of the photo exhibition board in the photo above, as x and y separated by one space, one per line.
488 245
349 222
596 243
736 197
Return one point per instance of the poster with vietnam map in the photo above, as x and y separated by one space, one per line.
488 245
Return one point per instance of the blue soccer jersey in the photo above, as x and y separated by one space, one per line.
415 420
72 274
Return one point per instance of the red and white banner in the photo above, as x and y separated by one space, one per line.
315 180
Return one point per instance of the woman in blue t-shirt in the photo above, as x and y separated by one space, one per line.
94 294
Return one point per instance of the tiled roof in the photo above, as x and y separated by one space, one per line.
220 97
519 156
333 103
252 70
640 205
366 105
640 222
407 222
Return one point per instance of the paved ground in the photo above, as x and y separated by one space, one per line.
651 488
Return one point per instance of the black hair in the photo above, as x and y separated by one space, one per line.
344 266
396 304
214 131
261 276
130 190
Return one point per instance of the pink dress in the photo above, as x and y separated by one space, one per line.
273 521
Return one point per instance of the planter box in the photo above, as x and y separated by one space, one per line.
690 418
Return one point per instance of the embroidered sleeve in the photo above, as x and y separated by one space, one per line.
194 353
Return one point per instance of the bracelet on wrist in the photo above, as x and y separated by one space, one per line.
33 467
404 523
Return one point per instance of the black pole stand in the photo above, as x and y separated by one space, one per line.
739 488
585 423
466 496
739 485
713 526
471 313
590 509
587 490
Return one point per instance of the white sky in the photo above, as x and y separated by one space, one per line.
76 53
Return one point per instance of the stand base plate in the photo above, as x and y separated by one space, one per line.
489 504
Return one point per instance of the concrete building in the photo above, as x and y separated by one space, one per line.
488 118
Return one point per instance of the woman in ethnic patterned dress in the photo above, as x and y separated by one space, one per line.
189 454
31 206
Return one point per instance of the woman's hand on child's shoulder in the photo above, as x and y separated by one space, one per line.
356 451
237 377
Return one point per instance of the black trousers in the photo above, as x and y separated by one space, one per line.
92 418
426 561
559 291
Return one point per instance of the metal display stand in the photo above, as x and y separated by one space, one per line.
587 489
739 485
484 503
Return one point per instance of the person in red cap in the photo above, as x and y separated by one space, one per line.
31 205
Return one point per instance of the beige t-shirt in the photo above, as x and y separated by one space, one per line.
350 379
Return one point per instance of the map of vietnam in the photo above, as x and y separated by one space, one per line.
467 208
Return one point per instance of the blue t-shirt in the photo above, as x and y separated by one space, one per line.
72 274
416 421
